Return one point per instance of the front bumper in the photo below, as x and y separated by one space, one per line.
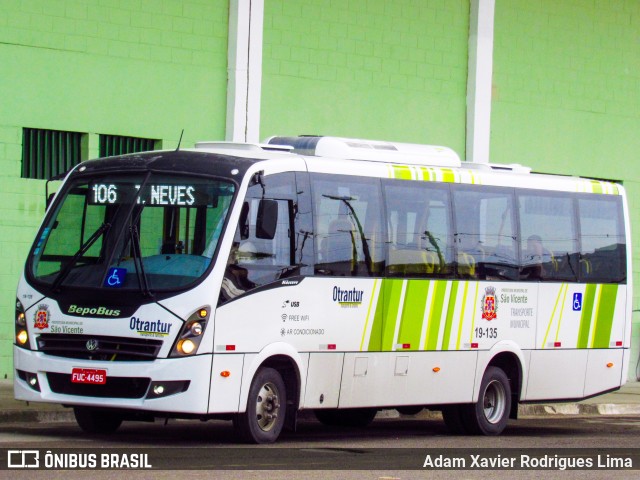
185 381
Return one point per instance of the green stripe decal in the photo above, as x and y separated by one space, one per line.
587 312
366 324
402 172
415 303
446 336
448 175
464 303
426 174
553 315
596 186
564 298
375 339
388 306
604 313
435 316
473 317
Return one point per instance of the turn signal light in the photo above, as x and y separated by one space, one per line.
225 373
436 369
609 365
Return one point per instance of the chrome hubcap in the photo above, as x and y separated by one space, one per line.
267 406
494 402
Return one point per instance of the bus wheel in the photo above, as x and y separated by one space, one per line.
489 415
346 417
266 408
97 421
411 410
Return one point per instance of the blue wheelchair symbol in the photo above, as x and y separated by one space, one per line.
115 277
577 302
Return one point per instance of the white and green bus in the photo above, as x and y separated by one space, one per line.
251 282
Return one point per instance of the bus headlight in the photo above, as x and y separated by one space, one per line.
22 335
196 328
186 346
191 333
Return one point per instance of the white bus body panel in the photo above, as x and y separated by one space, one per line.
604 371
323 380
225 391
556 374
412 378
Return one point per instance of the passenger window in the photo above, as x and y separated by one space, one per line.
418 229
602 256
485 238
348 225
548 237
263 248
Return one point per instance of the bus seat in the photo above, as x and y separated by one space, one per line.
585 267
466 265
432 262
413 262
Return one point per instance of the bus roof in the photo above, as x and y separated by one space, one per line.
347 156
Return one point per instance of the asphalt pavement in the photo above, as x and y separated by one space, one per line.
625 401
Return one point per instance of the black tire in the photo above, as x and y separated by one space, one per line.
97 421
266 408
452 416
410 410
346 417
489 415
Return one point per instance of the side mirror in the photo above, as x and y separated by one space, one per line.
267 219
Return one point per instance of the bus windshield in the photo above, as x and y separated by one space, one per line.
142 232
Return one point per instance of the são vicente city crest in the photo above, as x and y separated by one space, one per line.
41 318
489 304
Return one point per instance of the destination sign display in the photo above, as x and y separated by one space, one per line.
179 195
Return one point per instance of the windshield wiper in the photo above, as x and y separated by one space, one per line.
137 261
134 238
291 270
83 249
134 241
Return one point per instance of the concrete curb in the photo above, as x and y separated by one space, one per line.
36 416
578 409
567 409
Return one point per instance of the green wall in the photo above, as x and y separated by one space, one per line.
566 96
369 69
144 68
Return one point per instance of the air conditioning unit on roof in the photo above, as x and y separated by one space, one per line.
372 150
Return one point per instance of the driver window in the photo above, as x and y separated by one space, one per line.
263 245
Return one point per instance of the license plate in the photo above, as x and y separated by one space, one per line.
89 375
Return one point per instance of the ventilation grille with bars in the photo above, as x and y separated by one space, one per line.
49 153
111 145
